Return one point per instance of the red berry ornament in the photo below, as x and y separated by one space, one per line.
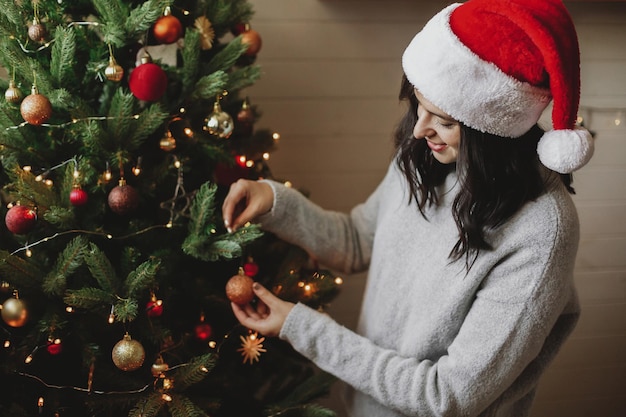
251 269
20 219
154 308
167 29
78 197
54 347
148 81
203 332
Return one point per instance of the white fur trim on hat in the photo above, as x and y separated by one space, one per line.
472 91
564 150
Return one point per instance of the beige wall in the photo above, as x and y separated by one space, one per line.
331 76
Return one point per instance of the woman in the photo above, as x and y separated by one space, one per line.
470 240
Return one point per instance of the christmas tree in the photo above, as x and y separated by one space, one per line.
123 124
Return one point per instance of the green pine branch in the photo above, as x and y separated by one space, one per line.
63 56
126 310
113 14
66 264
141 18
194 372
202 210
88 298
101 268
181 406
148 406
142 278
226 58
20 272
210 86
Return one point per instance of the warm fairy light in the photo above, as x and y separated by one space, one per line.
249 163
109 236
40 402
48 182
307 288
188 131
7 343
288 184
28 359
213 231
177 164
169 225
136 116
275 136
301 284
266 156
27 168
212 344
112 315
74 121
56 341
76 173
107 175
182 110
204 369
9 205
166 397
338 280
39 178
28 253
136 171
69 309
242 159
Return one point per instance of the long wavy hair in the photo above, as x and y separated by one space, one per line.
497 177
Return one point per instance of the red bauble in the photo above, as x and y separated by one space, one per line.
78 197
239 28
167 29
123 199
251 38
148 82
20 219
203 331
54 347
251 269
154 308
239 288
36 108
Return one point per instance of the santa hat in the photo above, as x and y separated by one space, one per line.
494 65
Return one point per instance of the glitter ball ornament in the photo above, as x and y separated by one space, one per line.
113 72
219 123
167 29
14 312
36 108
20 219
203 331
168 142
123 199
148 81
128 354
239 288
54 347
250 268
78 196
37 32
252 39
13 94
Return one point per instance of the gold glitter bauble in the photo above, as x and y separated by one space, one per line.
159 367
128 354
219 123
14 312
36 109
37 32
239 288
13 94
168 142
114 72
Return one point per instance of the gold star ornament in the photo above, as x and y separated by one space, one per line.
251 347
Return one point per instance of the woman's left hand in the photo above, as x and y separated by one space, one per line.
267 316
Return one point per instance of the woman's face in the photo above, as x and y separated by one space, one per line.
439 129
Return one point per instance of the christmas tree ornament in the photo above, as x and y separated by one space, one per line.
54 346
219 123
168 142
20 219
128 354
78 196
251 347
13 94
154 307
123 199
37 32
245 119
203 331
36 108
239 28
159 367
113 72
147 81
239 288
252 39
250 268
14 312
167 29
207 34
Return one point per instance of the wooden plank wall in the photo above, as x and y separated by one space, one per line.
330 82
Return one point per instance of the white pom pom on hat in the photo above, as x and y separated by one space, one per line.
494 65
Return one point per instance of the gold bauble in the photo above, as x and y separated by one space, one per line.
159 367
37 32
168 142
36 108
14 312
239 288
114 72
128 354
219 123
13 94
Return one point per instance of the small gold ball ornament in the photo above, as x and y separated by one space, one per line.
37 32
14 312
239 288
219 123
113 72
13 94
168 142
128 354
36 109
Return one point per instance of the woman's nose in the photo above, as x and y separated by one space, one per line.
422 128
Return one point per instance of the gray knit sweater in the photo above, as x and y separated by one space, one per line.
433 340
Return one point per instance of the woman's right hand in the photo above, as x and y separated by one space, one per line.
246 200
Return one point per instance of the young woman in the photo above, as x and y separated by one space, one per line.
470 239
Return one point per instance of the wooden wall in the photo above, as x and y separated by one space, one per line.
330 84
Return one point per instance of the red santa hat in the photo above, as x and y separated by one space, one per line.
495 65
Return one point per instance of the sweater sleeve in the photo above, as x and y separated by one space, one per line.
512 326
340 241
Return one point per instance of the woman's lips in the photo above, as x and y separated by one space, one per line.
436 147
